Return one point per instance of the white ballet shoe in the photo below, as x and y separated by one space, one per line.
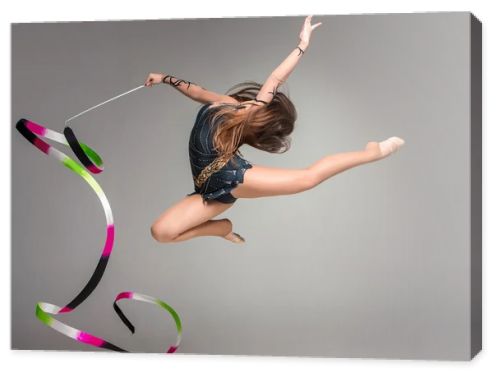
391 145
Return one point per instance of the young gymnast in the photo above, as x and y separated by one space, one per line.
259 116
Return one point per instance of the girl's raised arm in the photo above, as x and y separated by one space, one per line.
281 73
188 88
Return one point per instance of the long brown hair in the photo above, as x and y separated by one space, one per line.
266 128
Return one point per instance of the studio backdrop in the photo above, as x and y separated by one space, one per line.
379 261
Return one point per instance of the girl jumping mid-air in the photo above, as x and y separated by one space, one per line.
259 116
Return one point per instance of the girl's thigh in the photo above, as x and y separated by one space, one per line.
261 181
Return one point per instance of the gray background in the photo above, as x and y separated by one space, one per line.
373 263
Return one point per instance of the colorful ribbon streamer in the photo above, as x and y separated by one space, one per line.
93 162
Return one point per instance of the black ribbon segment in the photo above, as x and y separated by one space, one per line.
21 127
79 152
91 284
124 318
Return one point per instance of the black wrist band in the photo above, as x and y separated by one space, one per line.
165 78
301 51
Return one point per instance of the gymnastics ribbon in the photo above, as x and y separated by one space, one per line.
45 312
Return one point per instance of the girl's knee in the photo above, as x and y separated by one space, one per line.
162 234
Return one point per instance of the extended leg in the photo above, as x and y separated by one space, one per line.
261 181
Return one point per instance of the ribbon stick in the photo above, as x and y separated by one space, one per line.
45 312
103 103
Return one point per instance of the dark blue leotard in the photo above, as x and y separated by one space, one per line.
202 152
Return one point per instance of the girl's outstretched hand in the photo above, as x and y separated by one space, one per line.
307 28
153 79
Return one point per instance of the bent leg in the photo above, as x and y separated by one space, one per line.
261 181
190 217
